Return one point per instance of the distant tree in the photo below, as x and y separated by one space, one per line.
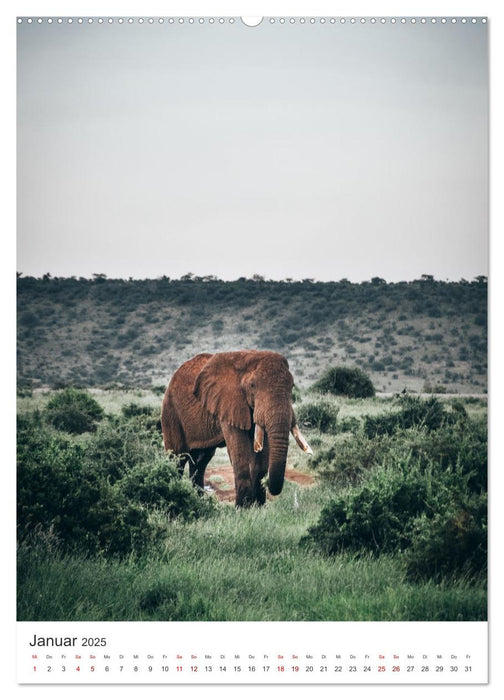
74 411
345 381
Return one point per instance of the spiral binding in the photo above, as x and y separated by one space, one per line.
238 20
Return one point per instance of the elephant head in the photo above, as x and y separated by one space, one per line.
252 391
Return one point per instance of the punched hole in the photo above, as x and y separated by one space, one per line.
251 21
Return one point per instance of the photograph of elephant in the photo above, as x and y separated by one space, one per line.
239 399
252 319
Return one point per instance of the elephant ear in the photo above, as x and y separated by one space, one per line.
218 387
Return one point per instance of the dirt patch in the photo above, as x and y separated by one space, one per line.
221 481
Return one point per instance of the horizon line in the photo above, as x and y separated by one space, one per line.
257 278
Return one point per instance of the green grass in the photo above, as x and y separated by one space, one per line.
111 400
238 565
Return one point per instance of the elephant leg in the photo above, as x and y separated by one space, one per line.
198 463
241 454
182 460
258 472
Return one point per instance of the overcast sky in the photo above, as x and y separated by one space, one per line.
324 151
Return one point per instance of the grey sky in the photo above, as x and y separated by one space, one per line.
322 151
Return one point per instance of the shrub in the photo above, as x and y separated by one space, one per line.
413 411
451 540
349 424
432 510
345 381
349 460
99 496
135 409
320 414
372 516
378 366
29 319
158 485
462 444
119 445
56 491
435 388
73 411
296 394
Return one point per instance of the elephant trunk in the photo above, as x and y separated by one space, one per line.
278 438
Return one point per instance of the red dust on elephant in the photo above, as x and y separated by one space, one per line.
241 400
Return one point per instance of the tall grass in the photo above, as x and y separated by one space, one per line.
236 565
227 564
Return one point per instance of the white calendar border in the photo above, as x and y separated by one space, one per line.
9 10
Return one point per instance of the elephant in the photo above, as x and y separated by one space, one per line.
241 400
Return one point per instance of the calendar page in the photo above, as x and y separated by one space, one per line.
252 260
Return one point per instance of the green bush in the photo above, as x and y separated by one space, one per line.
321 414
345 381
372 516
119 445
463 446
350 424
413 412
74 411
296 394
347 461
57 491
350 459
434 388
454 539
99 496
135 409
158 485
150 417
429 505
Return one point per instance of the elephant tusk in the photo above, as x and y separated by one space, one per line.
299 438
258 438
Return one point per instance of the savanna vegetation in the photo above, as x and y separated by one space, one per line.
423 335
390 392
394 527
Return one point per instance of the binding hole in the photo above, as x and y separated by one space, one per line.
251 21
